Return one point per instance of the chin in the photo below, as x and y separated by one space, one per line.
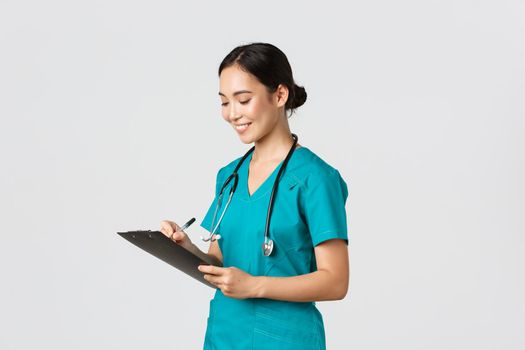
246 139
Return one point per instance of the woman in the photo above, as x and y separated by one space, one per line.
265 296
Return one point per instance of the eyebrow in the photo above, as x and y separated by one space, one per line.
237 92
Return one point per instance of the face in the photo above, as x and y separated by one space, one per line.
247 105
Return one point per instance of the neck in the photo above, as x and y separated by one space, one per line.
273 146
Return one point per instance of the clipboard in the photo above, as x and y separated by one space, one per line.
158 244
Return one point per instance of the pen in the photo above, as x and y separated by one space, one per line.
186 225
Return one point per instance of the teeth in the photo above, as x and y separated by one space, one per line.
242 126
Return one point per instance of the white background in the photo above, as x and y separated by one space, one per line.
110 121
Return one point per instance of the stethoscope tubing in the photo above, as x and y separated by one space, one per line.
268 243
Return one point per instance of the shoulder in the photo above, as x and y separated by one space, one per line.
306 169
225 170
312 170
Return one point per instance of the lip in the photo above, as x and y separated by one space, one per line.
242 130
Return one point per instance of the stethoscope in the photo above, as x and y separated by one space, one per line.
267 245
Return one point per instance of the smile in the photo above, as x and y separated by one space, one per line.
242 127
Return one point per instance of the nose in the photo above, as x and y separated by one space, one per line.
234 114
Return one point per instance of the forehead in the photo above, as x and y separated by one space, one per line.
234 79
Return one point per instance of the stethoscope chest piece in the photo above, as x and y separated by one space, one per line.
267 247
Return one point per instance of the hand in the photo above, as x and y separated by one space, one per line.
172 230
233 282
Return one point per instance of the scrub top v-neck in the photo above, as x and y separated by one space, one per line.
309 208
266 185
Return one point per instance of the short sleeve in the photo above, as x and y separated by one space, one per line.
206 222
324 206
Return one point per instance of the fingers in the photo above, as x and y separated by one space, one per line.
221 277
171 229
166 228
208 274
178 236
212 270
215 280
174 226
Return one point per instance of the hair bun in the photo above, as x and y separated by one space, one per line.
299 96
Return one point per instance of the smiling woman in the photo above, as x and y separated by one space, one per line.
266 299
251 78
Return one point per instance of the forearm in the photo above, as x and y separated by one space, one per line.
315 286
195 250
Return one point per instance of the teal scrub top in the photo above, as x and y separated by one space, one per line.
309 208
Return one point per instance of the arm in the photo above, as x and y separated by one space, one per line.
329 282
172 230
213 255
214 251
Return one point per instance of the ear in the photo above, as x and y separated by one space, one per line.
281 95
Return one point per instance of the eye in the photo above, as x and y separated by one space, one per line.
224 104
244 102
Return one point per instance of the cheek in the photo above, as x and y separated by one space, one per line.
225 113
255 110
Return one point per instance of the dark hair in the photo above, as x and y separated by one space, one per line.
270 66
